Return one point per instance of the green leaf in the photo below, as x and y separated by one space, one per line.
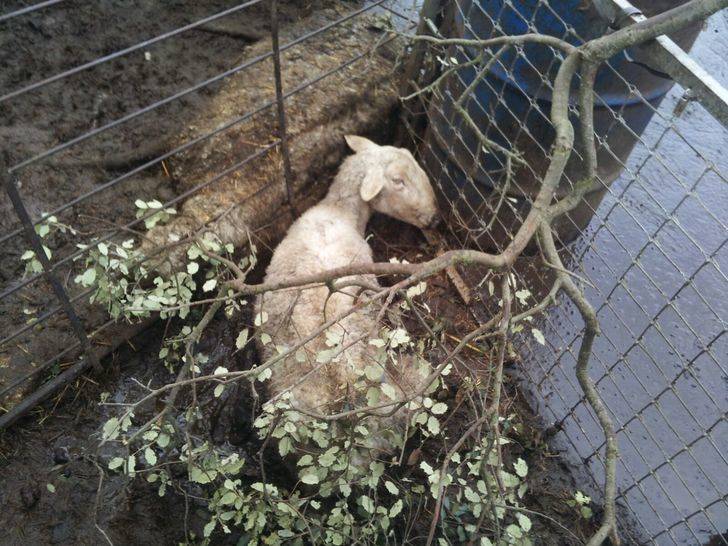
209 528
524 522
367 503
200 476
581 498
150 456
514 530
87 278
115 463
416 290
111 429
285 446
373 372
520 467
310 479
433 425
391 487
509 480
163 440
193 267
439 408
218 390
103 248
27 255
261 318
265 375
396 508
388 391
50 487
327 459
373 396
131 465
242 339
209 285
471 495
538 335
398 336
306 460
228 498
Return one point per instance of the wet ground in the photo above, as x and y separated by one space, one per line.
657 257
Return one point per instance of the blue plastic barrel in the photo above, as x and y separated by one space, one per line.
511 106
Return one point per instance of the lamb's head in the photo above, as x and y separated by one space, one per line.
394 184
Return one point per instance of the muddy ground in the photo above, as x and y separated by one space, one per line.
41 44
58 444
106 173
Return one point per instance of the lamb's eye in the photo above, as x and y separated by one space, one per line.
398 182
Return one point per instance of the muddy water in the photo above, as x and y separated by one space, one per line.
656 253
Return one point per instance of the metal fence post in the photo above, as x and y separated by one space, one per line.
36 245
280 106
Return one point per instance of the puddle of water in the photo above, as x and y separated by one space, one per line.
657 255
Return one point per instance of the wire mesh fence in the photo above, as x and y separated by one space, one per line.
648 245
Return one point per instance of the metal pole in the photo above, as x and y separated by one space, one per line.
282 127
36 244
668 57
429 13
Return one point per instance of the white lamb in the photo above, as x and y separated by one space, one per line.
331 234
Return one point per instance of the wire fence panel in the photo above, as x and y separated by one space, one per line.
90 133
649 247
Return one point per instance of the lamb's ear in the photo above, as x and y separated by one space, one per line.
372 184
359 144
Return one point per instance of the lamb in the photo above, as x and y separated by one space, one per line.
331 234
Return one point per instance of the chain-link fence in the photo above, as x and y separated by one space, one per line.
647 246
